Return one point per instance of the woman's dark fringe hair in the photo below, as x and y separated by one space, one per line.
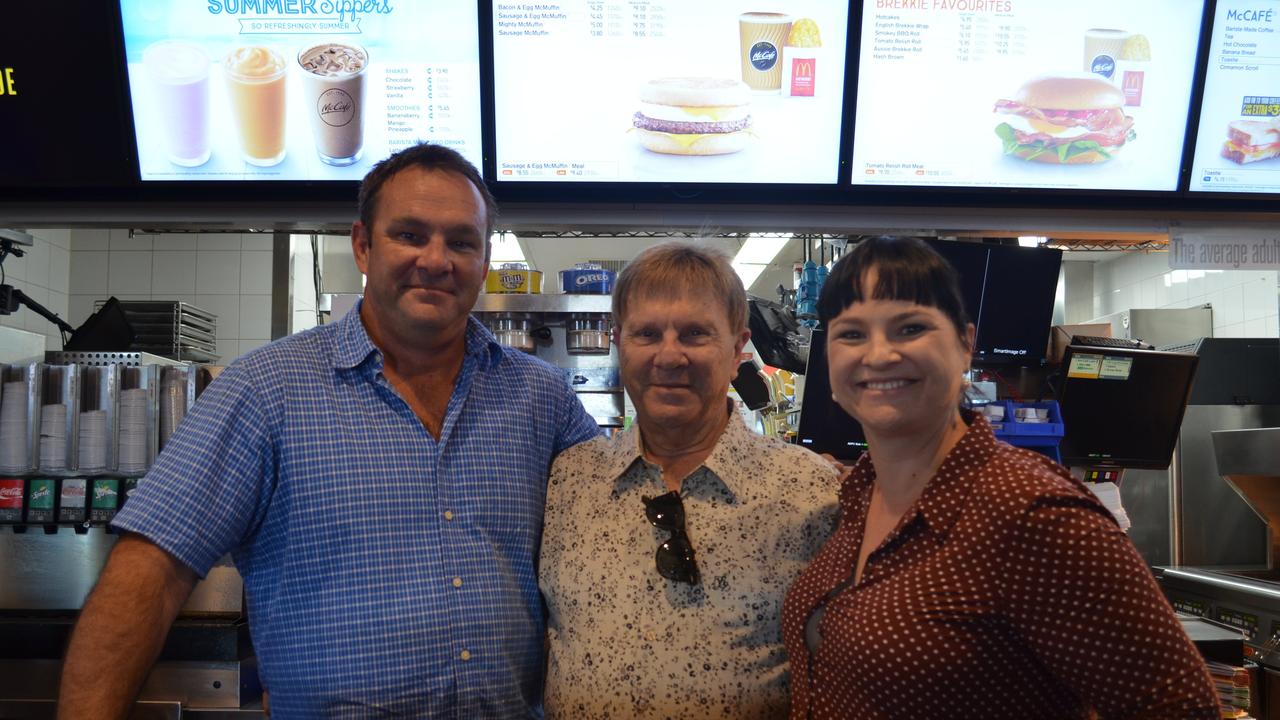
906 269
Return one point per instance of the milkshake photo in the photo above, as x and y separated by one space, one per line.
179 73
333 80
256 85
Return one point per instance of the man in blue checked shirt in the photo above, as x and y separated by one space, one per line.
378 481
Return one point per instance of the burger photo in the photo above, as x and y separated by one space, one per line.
693 116
1065 120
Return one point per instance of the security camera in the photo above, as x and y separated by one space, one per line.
17 237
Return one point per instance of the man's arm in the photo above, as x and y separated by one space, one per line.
121 629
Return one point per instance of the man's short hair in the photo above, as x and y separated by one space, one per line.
676 268
428 157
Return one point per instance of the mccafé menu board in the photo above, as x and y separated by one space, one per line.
714 91
298 89
1086 95
1238 148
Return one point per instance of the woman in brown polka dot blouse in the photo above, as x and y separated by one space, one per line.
967 578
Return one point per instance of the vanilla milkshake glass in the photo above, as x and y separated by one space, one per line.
333 85
255 86
179 73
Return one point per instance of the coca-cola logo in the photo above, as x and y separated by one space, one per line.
72 491
336 108
10 494
763 56
1103 65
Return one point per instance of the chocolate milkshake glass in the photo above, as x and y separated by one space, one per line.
333 85
255 86
179 73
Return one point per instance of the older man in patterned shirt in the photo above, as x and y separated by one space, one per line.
379 482
667 549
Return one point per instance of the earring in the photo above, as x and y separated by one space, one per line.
833 398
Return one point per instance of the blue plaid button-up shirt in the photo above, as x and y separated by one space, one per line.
388 573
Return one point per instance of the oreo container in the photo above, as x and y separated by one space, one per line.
587 280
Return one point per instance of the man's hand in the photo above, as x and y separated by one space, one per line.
121 629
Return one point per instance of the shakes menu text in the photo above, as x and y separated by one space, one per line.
319 90
1238 148
1087 95
665 91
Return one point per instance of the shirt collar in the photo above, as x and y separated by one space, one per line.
944 496
353 346
725 460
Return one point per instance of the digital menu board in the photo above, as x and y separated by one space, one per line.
57 133
298 89
1086 95
715 91
1238 144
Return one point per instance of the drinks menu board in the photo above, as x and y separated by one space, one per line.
1238 148
1086 95
662 91
298 90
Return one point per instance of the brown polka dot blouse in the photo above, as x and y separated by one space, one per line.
1006 591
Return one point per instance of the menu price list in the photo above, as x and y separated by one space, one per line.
1239 141
636 19
602 170
421 106
974 38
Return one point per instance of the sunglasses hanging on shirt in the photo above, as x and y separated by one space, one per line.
674 557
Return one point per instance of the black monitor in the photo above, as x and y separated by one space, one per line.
1009 293
824 426
1123 407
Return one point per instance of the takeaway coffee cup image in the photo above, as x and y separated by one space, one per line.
179 73
762 36
256 85
333 85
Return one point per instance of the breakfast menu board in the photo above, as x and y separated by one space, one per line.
1238 147
1088 95
298 89
715 91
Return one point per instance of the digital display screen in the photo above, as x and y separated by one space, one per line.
1014 93
300 89
716 91
1238 145
1123 408
55 135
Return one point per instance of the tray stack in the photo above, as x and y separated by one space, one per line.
171 329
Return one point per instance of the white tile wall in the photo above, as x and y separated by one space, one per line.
1245 303
43 273
209 270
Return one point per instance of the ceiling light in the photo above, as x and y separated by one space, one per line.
1030 241
505 248
756 254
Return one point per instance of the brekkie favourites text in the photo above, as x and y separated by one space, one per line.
991 6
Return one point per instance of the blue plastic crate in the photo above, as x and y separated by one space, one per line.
1012 428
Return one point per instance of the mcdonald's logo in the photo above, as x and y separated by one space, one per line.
804 68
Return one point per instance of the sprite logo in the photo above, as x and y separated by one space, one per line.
41 495
102 491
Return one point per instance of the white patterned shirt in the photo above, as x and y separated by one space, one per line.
624 642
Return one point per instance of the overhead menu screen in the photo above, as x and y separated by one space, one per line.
1086 95
298 89
1238 148
715 91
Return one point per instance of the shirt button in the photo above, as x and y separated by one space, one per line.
448 514
465 655
457 582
